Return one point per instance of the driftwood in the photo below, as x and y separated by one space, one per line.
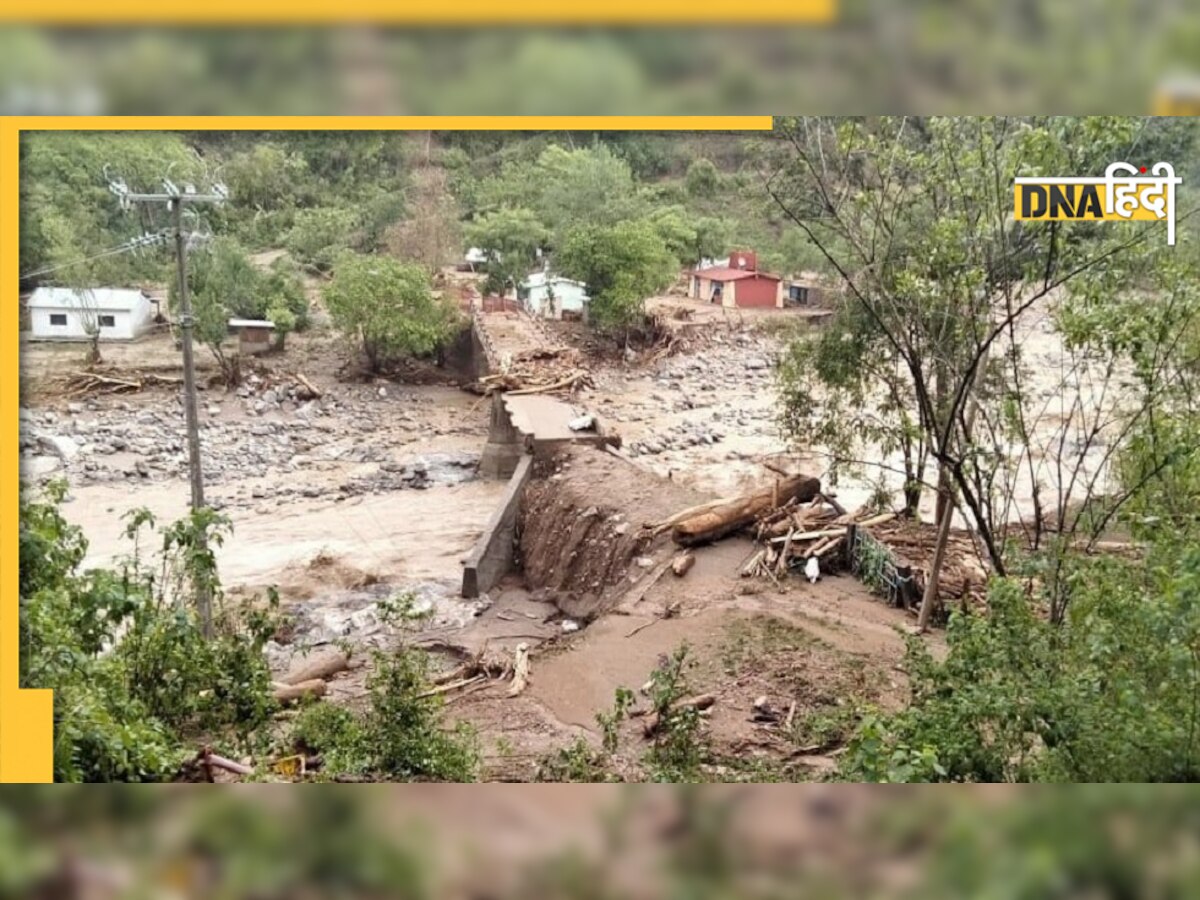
451 686
682 563
809 535
313 390
742 511
569 382
699 702
82 383
520 677
657 528
207 760
301 690
321 667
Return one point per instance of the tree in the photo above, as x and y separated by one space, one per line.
266 178
565 188
702 178
678 233
511 238
387 307
622 265
319 235
712 239
914 216
431 235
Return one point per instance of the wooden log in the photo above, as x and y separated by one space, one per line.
322 667
827 547
753 563
786 555
211 761
811 535
876 520
520 670
742 511
301 690
682 563
312 389
671 521
450 686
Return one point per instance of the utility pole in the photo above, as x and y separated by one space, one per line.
175 200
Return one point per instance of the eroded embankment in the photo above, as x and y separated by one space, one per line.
581 531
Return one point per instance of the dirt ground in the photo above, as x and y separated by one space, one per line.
368 492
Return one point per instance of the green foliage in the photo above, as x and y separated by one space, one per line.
267 178
320 234
1111 694
224 283
564 188
388 307
702 178
679 746
123 651
400 736
511 238
68 213
621 265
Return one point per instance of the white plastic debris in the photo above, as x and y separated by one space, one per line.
812 569
583 423
569 625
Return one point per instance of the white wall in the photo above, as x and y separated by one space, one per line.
126 324
567 297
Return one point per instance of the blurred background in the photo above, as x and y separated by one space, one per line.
923 56
591 841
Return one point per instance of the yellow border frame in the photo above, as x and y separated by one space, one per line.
26 716
389 12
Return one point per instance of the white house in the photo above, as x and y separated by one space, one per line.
552 296
69 314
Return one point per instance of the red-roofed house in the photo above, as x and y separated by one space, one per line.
738 284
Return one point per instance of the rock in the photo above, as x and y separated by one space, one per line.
569 626
645 562
38 466
61 446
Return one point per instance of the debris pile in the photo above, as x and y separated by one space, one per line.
909 546
536 372
112 381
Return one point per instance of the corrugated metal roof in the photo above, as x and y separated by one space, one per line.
109 299
250 323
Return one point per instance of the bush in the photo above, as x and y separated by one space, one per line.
319 235
702 178
399 737
1110 694
133 675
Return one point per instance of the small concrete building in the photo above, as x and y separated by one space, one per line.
254 335
738 284
70 314
554 297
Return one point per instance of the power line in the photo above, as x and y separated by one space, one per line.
148 239
175 199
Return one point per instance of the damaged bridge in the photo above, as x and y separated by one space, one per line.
523 427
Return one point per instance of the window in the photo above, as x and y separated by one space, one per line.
108 321
58 319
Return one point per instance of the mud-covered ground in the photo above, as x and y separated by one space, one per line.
369 491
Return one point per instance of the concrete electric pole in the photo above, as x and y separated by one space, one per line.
176 200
